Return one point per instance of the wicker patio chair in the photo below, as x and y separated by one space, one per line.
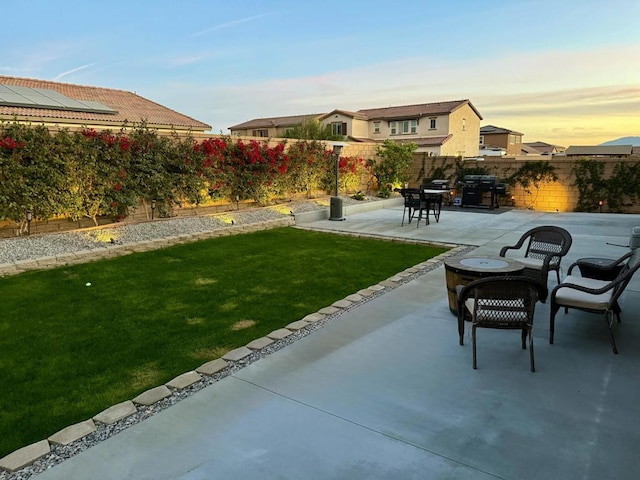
434 205
593 295
414 201
545 247
506 302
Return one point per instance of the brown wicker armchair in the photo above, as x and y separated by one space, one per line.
545 247
593 295
500 302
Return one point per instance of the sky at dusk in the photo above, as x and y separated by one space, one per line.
566 71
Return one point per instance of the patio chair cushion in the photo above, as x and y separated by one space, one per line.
577 299
534 263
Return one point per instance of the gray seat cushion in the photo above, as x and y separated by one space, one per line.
570 297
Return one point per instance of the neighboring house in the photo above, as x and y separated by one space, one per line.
442 128
272 126
527 149
600 151
541 148
510 140
58 105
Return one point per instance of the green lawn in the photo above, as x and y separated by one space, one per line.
68 350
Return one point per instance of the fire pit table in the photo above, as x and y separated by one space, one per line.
463 270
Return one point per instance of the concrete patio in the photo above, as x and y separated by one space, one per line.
385 391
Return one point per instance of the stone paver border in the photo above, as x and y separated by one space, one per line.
238 357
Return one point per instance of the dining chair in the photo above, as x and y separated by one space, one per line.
506 302
414 201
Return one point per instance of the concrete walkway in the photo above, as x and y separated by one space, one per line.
385 391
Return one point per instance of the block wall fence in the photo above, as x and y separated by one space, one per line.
559 196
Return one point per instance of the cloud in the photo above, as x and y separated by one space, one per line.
73 70
228 24
32 60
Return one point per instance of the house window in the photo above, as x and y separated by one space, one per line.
432 123
260 133
376 127
481 139
513 139
410 126
464 124
338 128
404 127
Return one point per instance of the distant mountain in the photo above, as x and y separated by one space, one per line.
635 141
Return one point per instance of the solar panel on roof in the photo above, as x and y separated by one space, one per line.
14 98
18 89
18 96
98 105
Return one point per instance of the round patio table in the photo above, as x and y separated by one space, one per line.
464 270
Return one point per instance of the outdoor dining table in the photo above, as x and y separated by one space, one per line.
463 270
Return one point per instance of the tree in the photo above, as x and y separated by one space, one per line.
312 129
392 168
309 165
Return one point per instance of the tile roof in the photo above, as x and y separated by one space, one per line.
425 141
545 147
491 129
275 121
131 107
528 148
413 111
420 141
357 115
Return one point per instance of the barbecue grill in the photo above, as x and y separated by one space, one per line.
477 189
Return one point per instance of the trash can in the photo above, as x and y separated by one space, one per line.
335 209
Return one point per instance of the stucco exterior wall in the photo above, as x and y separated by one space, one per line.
271 132
340 118
504 140
464 125
359 128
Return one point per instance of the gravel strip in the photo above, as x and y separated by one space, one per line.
51 245
54 244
